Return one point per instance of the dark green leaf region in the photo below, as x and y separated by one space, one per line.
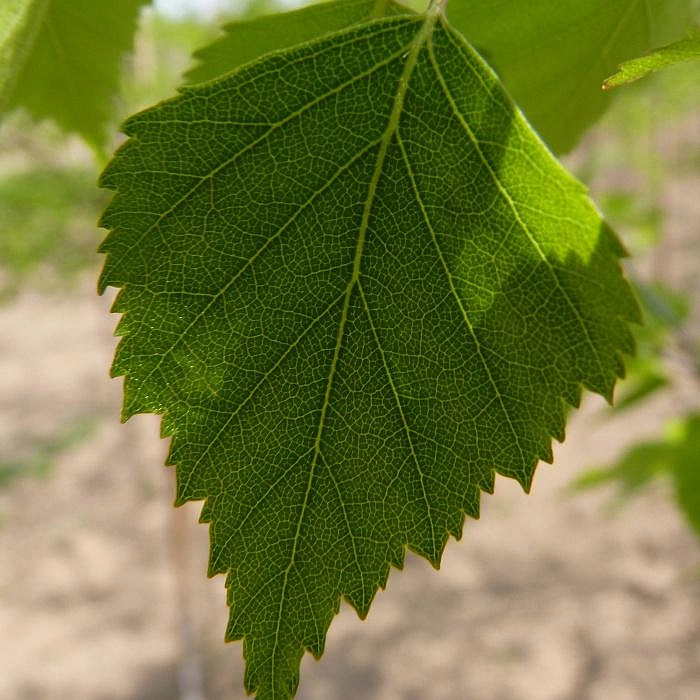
244 41
356 286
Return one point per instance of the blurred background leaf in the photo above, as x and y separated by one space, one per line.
67 62
47 226
49 197
246 40
665 312
554 56
16 36
674 457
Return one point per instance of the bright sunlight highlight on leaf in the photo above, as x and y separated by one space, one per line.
687 49
356 285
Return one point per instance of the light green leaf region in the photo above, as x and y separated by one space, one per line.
675 456
65 60
554 56
687 49
15 35
686 469
356 286
245 41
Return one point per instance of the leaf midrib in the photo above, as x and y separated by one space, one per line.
206 177
516 213
229 161
421 38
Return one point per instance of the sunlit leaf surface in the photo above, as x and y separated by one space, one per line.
686 49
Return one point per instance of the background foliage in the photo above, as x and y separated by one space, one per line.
671 318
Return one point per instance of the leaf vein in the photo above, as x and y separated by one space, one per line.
254 390
460 303
202 314
509 201
402 413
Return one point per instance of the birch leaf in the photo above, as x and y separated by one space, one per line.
356 285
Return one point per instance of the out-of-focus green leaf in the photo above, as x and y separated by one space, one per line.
66 58
643 379
664 313
16 36
664 308
247 40
553 55
686 49
686 472
676 456
633 471
641 217
162 55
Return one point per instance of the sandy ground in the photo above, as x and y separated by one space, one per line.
103 594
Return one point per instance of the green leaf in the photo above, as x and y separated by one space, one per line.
46 226
674 456
244 41
687 49
356 286
15 35
65 60
686 470
553 56
665 313
636 469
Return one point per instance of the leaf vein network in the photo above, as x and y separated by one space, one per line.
392 125
255 142
509 200
220 293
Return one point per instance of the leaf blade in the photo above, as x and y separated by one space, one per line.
245 41
66 68
553 57
348 329
681 51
